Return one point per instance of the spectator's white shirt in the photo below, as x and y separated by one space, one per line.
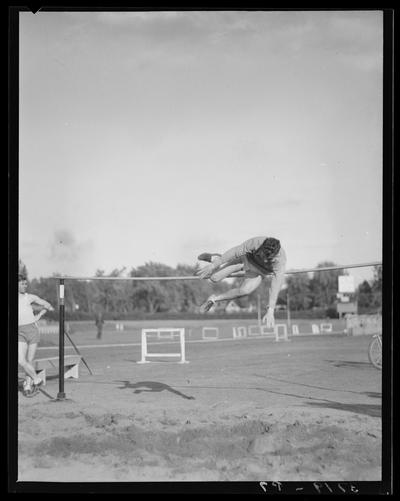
25 311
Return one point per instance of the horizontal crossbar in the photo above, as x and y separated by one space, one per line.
238 274
163 329
163 355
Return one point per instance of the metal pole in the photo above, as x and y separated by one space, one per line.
288 309
259 313
61 394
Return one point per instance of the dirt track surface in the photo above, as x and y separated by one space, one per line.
240 410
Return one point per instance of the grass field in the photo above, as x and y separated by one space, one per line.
85 332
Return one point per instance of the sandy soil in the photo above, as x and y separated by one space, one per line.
241 410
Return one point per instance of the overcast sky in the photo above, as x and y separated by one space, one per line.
156 136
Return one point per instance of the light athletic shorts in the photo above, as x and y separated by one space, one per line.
28 333
250 270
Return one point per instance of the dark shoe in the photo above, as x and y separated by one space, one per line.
207 305
33 393
207 256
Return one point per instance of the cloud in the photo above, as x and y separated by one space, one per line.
185 28
127 17
67 254
146 38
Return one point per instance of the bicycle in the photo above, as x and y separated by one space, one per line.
375 351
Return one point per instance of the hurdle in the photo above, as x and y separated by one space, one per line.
280 336
215 330
267 332
254 330
260 330
326 327
239 332
315 329
145 354
167 333
295 330
71 366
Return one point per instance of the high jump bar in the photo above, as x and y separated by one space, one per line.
238 274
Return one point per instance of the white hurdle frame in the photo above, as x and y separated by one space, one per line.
315 329
254 330
295 330
145 354
278 336
215 330
267 332
239 332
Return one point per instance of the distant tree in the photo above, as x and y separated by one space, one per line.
106 292
377 279
47 288
152 296
364 295
22 269
376 287
298 289
324 285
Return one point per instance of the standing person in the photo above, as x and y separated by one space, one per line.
99 321
28 334
254 259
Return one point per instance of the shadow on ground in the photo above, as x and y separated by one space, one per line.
350 363
367 409
373 394
151 386
291 382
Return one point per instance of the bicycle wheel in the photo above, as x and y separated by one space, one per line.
375 352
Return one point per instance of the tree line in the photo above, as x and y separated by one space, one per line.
302 292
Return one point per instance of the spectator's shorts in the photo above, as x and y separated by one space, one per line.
28 333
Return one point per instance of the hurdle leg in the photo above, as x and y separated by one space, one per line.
143 349
278 336
295 330
315 329
182 336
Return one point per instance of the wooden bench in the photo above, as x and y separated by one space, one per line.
71 366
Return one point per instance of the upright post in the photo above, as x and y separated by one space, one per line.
144 347
259 313
289 323
61 394
182 336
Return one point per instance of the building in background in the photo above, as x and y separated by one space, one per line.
347 303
